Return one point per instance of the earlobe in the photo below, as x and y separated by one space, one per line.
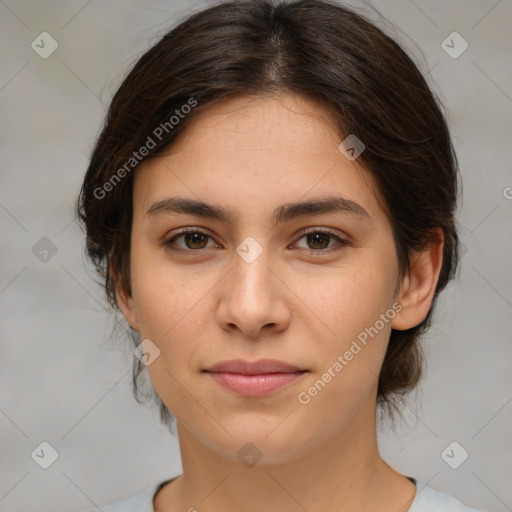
124 298
419 285
127 307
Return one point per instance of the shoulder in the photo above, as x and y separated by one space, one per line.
141 502
430 500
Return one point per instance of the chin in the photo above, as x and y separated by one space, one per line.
260 442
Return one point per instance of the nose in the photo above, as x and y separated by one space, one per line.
254 299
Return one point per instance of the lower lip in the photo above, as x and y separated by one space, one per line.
254 385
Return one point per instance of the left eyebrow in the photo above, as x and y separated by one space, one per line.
285 212
318 206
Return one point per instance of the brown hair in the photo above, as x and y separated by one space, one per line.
324 52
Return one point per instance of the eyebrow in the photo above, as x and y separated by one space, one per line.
282 213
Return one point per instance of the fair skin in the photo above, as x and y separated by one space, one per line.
207 304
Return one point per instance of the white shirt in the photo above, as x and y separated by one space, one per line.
426 500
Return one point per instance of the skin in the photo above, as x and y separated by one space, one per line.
250 156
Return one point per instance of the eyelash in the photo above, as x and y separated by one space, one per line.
314 252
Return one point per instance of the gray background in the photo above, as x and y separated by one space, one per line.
65 381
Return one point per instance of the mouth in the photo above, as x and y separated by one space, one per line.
254 379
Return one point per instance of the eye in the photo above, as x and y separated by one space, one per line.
320 240
193 239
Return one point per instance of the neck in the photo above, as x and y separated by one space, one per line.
344 473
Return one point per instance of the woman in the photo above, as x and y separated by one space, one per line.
271 202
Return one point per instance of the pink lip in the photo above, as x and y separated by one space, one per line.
254 379
254 385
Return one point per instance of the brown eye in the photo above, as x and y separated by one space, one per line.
318 242
192 240
195 240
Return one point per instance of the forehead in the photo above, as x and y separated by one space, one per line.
259 150
254 123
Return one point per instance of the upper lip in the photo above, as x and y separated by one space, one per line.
254 367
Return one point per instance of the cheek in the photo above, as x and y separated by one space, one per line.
348 299
169 312
350 359
351 304
164 295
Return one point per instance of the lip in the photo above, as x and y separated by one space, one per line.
259 367
254 379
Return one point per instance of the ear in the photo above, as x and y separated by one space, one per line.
419 285
124 299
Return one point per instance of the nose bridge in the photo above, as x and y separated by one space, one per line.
252 300
252 275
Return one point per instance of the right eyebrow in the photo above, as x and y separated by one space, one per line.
190 207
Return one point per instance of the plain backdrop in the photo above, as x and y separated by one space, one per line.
66 382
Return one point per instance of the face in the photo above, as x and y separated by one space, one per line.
300 285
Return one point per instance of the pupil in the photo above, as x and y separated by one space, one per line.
194 238
316 237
